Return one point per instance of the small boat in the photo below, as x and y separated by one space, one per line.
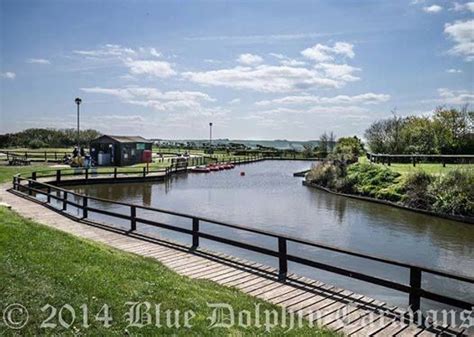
201 169
213 168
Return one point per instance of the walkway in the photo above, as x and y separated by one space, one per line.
319 302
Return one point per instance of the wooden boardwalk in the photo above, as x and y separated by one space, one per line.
321 303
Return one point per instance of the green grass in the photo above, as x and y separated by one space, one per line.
39 266
432 168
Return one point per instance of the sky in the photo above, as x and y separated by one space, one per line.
256 69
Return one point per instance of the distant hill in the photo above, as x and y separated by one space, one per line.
281 144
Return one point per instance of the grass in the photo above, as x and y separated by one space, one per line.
7 172
432 168
40 266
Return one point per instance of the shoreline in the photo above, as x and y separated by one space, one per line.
460 218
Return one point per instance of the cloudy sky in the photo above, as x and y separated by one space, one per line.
256 69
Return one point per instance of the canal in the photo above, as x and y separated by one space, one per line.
269 197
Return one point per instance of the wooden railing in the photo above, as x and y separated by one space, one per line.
417 158
56 156
32 188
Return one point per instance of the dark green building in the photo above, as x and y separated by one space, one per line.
119 150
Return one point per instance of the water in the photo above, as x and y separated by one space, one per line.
270 198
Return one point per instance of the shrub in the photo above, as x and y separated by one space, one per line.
454 193
417 190
327 174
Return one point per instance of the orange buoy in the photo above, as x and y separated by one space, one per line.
242 173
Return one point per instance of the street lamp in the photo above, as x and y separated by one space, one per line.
78 102
210 136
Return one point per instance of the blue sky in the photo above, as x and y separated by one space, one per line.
256 69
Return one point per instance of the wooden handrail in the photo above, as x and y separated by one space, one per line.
413 287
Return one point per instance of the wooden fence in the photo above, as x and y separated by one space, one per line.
417 158
31 188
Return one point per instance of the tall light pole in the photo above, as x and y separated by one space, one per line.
210 136
78 102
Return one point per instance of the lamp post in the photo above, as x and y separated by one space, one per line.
78 102
210 136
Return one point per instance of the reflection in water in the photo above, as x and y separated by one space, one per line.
270 198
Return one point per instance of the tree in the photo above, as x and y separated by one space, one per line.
349 148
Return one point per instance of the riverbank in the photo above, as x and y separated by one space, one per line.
449 195
94 275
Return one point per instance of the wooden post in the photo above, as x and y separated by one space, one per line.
84 207
55 156
45 156
414 161
115 173
415 287
195 233
49 195
144 172
87 173
133 215
33 175
283 262
58 175
26 155
64 201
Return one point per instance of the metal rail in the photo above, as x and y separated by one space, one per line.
413 287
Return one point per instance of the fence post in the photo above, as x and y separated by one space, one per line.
84 207
415 287
133 215
195 233
49 194
58 175
45 156
55 156
64 201
87 173
115 173
33 175
283 262
144 172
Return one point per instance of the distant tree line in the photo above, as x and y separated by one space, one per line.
448 131
44 138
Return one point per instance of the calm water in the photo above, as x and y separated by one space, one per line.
269 197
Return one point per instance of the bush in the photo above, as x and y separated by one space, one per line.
454 193
417 190
325 174
374 181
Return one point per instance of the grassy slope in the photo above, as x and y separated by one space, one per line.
39 265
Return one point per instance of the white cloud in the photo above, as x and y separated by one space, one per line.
249 59
154 52
160 69
454 71
9 75
155 99
341 72
468 6
292 63
137 60
433 9
108 50
460 97
367 98
38 61
462 33
235 101
264 78
324 53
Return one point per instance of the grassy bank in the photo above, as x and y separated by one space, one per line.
40 266
450 193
